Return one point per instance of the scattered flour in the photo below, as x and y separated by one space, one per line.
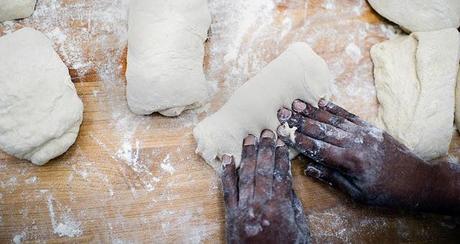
66 225
166 165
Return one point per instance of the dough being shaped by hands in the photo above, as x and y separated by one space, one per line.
40 112
16 9
420 15
415 78
298 73
165 56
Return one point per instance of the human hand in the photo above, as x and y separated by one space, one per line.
261 206
356 157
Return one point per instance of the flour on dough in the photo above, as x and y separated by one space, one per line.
420 15
16 9
298 73
165 56
40 112
415 79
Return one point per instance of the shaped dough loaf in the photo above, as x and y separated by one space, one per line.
40 112
298 73
165 56
16 9
415 78
420 15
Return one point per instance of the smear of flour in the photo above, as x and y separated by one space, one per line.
166 165
65 225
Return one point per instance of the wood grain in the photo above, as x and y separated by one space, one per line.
114 185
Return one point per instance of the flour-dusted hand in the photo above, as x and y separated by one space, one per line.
366 162
261 206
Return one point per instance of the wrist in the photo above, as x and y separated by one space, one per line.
441 190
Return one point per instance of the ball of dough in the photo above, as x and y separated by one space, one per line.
40 112
420 15
16 9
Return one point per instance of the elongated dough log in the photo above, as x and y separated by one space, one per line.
298 73
415 77
16 9
165 56
420 15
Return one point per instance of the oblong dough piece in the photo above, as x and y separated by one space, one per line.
16 9
165 56
298 73
415 78
40 112
420 15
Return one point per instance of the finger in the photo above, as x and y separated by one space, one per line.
229 182
319 151
300 218
247 170
338 111
308 110
265 166
282 177
320 131
333 178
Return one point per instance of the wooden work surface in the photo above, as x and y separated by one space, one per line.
137 179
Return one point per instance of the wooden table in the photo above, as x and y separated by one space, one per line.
137 179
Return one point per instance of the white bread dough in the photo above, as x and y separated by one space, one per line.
298 73
40 112
165 56
457 103
420 15
16 9
415 78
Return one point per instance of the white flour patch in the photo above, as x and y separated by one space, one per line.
166 165
354 52
452 159
65 225
32 180
17 239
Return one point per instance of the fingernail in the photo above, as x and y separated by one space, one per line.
313 172
226 159
322 102
267 134
280 143
249 140
284 114
299 106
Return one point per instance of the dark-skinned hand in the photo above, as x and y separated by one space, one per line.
366 162
261 206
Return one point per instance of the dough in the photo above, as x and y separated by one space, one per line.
457 103
40 112
297 73
420 15
415 79
165 56
16 9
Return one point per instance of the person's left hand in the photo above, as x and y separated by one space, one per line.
261 206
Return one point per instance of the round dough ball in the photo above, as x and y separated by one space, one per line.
16 9
420 15
40 112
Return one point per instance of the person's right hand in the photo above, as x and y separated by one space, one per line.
366 162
